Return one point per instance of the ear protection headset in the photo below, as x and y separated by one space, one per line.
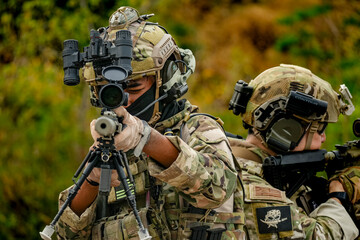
283 121
174 75
173 79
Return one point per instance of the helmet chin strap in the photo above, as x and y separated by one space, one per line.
156 114
313 128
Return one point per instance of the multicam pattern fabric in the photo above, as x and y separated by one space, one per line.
149 36
203 175
350 179
146 39
152 46
328 221
123 17
279 81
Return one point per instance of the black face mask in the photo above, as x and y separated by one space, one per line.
170 109
142 102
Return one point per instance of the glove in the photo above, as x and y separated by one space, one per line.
130 136
135 133
350 179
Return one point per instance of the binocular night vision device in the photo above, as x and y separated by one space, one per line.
111 62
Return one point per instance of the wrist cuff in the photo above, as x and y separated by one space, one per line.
144 139
343 197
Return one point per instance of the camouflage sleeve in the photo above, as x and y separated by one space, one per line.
70 225
329 221
204 171
332 217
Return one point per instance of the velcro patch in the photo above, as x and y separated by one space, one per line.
274 219
258 192
120 191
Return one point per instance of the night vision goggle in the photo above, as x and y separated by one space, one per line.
110 61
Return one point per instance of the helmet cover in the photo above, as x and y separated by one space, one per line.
279 81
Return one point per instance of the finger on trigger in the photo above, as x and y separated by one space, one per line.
120 112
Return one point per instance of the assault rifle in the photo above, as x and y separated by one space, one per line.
290 171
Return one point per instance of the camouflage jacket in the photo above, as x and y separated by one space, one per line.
203 177
269 214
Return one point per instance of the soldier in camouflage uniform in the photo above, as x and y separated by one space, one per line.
276 126
183 179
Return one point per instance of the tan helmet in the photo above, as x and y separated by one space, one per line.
155 53
288 100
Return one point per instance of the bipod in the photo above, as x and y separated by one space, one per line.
107 158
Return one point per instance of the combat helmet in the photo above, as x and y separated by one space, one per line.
282 103
155 53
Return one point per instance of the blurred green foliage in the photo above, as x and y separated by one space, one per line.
44 133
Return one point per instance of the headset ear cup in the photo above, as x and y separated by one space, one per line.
284 134
168 70
174 83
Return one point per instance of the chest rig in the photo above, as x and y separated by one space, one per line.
166 214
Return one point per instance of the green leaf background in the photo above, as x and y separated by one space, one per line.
44 125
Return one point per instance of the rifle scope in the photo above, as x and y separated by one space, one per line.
356 127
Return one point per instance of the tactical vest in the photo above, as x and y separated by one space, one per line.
269 214
163 210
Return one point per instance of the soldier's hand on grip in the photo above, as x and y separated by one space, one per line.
131 134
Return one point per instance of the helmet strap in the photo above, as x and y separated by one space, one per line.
259 136
313 128
156 114
140 29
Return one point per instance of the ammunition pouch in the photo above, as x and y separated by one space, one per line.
189 222
126 227
138 168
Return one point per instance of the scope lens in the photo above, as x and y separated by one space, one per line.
112 96
356 127
114 73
